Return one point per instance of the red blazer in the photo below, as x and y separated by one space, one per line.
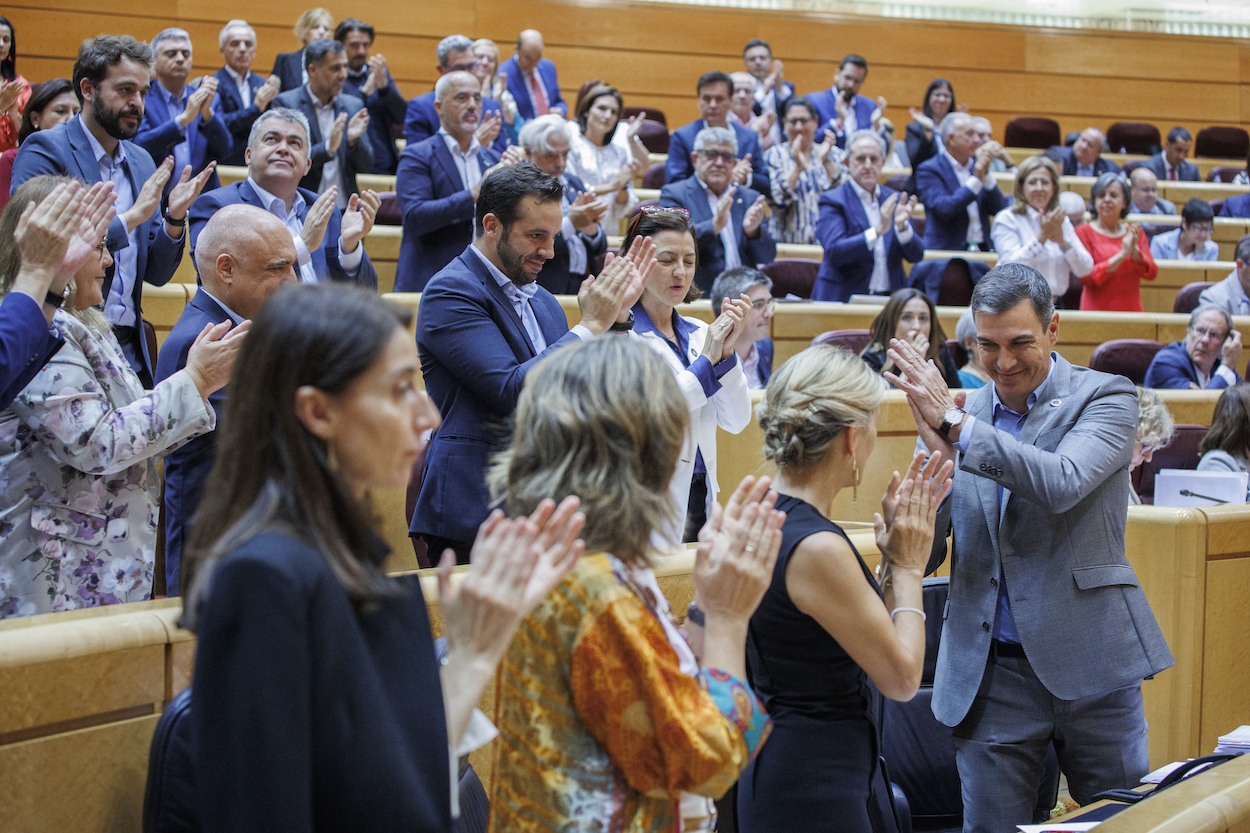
1119 290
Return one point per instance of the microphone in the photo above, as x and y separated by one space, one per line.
1188 493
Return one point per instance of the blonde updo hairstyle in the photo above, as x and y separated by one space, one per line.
811 399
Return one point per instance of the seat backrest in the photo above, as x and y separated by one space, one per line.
853 340
654 136
958 353
1223 173
897 182
389 212
1187 297
1217 205
1125 356
956 287
653 114
1181 453
1031 132
1131 166
1072 298
655 177
1133 137
1221 142
169 799
792 276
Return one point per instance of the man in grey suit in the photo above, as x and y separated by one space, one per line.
1048 634
1233 293
1170 164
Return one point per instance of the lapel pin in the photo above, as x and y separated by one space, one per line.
1055 403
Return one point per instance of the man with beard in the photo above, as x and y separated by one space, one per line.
369 79
111 78
484 323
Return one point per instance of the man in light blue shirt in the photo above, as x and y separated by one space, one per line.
1192 241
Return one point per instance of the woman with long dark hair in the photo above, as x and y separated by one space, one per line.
1226 447
911 316
921 137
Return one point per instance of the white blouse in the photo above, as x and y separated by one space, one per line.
1015 239
598 165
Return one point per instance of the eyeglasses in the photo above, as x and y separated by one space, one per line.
764 304
719 156
798 121
654 211
1214 335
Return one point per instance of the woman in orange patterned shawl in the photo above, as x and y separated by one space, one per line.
600 728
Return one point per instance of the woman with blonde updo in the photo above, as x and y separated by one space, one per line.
825 625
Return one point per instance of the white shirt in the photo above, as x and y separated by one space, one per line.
293 219
880 280
119 306
727 238
975 233
240 84
1015 240
466 161
330 173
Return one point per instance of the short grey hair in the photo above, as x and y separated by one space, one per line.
950 123
1202 308
966 328
535 136
865 134
716 136
736 281
279 114
234 24
450 44
1006 285
172 33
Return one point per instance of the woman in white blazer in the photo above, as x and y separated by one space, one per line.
701 356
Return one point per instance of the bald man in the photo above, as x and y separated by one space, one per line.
1085 158
532 78
243 255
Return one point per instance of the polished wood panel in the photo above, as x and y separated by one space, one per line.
1214 801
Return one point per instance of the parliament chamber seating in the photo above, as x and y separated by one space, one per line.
792 276
1032 132
853 341
1187 298
1223 173
1133 137
1125 357
654 177
1181 453
1223 142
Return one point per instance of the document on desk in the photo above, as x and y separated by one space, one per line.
1069 827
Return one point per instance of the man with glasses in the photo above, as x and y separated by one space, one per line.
1205 360
754 347
1192 241
715 90
728 218
1233 293
455 54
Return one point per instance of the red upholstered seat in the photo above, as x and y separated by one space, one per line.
1133 137
654 136
389 212
1187 298
853 340
1126 357
1032 132
655 176
792 276
1223 173
1181 453
653 114
1219 142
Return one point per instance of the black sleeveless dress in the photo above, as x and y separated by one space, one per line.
814 772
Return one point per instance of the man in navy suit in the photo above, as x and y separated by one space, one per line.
714 90
865 229
754 346
369 79
242 95
728 218
1205 360
484 323
177 120
1170 163
243 255
455 54
327 247
582 238
111 78
1084 158
340 148
841 108
532 78
959 193
438 182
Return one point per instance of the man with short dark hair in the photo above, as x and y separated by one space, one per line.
369 79
1144 193
1047 635
1205 360
772 90
1170 164
1192 241
714 91
111 78
728 218
421 121
1233 293
959 193
243 254
484 324
841 108
242 94
532 78
754 346
337 123
1084 158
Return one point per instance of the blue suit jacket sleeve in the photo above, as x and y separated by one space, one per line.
26 344
365 275
842 241
937 199
759 170
426 207
37 156
678 166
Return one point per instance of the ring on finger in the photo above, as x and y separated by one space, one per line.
750 550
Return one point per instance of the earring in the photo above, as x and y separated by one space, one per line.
855 480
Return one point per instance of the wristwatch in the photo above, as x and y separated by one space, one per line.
952 417
623 326
171 220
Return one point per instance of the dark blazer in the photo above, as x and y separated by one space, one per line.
848 263
876 359
555 276
474 357
26 343
65 150
920 148
1238 206
1063 155
206 140
325 258
187 467
309 712
681 144
688 194
1172 368
421 121
353 159
1188 172
826 106
387 107
946 201
764 352
437 211
289 67
238 118
520 90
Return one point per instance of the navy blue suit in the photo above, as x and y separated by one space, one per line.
206 140
65 150
848 263
387 108
1238 206
474 357
26 343
289 67
946 200
826 105
421 121
1068 163
187 467
555 276
681 145
325 258
689 195
1172 368
437 210
764 351
521 92
238 118
353 159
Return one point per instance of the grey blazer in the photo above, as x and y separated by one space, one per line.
1082 617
